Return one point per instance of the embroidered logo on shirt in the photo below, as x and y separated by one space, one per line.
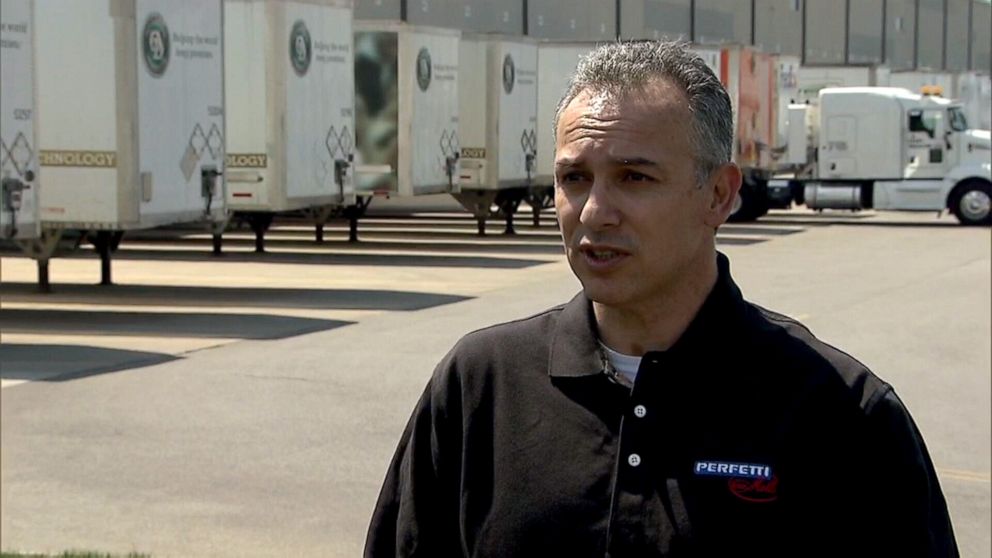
734 470
754 490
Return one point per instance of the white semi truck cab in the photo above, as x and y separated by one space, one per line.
887 148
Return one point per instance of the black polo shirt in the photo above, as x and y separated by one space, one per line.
748 437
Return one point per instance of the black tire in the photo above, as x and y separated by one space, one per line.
971 203
753 202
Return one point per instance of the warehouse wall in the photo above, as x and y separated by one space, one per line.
656 19
931 35
719 21
956 43
864 43
573 20
825 31
778 26
981 38
900 43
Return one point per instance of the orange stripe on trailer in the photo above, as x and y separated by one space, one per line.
724 67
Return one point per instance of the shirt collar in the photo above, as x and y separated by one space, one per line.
574 345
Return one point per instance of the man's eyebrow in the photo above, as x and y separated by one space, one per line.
625 161
636 162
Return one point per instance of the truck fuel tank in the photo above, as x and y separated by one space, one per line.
818 195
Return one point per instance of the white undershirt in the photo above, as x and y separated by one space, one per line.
625 365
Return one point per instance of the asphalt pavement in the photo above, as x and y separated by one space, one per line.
248 405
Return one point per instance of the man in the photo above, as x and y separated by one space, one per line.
658 413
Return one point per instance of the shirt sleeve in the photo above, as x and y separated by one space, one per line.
911 515
417 511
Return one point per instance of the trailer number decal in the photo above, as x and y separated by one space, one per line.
100 159
473 153
155 45
300 48
246 160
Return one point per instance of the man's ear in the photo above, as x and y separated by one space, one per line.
725 183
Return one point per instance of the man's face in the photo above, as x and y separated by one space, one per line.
633 220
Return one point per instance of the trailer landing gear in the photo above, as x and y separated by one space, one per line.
320 215
538 198
508 201
479 203
217 229
105 243
353 213
42 249
259 223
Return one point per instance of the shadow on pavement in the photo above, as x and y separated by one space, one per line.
407 231
724 241
168 295
55 363
282 239
757 229
161 324
318 258
926 220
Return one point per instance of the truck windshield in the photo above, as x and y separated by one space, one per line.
956 117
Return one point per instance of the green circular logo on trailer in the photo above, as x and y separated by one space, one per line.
424 69
156 47
509 74
300 48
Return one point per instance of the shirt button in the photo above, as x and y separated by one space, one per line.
633 460
640 411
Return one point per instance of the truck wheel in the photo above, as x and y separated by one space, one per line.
751 203
971 203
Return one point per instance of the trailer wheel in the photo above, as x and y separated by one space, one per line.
751 202
971 202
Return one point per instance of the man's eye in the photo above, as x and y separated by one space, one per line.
636 177
571 177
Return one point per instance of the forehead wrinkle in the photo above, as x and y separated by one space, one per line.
593 126
602 111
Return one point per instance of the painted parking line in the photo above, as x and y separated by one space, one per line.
965 475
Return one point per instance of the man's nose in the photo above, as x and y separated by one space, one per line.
600 209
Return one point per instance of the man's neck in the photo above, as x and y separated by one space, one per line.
656 324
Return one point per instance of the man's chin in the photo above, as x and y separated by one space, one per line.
602 293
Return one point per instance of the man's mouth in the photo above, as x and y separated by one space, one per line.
602 255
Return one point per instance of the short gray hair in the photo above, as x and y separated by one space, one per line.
622 67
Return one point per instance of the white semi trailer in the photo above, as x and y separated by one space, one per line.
289 83
132 132
406 112
497 124
19 177
556 62
886 148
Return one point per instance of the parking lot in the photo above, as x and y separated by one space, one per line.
248 404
